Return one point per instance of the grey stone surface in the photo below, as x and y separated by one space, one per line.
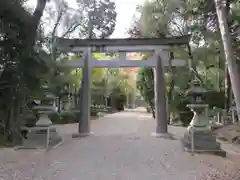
44 121
54 137
84 121
121 149
160 99
203 141
37 137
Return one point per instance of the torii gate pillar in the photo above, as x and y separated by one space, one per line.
85 104
160 100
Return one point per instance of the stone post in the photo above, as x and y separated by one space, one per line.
85 100
160 101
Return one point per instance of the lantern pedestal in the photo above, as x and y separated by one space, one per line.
198 136
200 120
42 135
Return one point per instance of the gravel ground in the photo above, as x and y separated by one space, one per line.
121 149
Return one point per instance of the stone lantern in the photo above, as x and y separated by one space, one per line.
198 136
42 135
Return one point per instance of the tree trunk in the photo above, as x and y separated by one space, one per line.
228 50
171 72
59 104
151 104
17 121
8 120
191 64
228 89
228 85
171 84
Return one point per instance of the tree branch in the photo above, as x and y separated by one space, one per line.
60 15
71 29
38 12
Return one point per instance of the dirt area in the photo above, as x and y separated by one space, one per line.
230 139
229 133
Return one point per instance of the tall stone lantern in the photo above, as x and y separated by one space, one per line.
199 136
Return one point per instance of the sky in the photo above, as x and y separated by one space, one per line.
125 10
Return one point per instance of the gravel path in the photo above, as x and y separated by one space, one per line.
121 149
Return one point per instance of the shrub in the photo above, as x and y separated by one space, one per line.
77 115
215 99
119 106
182 105
185 113
186 117
55 118
93 112
68 117
3 141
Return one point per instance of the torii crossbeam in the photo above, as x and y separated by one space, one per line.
159 47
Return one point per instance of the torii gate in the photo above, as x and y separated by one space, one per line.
159 47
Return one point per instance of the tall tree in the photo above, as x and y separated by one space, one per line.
102 14
232 64
19 32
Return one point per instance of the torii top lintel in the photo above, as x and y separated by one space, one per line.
68 44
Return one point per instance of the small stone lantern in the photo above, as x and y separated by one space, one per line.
198 136
42 135
198 106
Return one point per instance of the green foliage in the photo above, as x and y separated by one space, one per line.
23 63
215 99
118 99
27 69
205 57
68 117
102 16
186 117
145 84
55 118
179 103
63 117
182 103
